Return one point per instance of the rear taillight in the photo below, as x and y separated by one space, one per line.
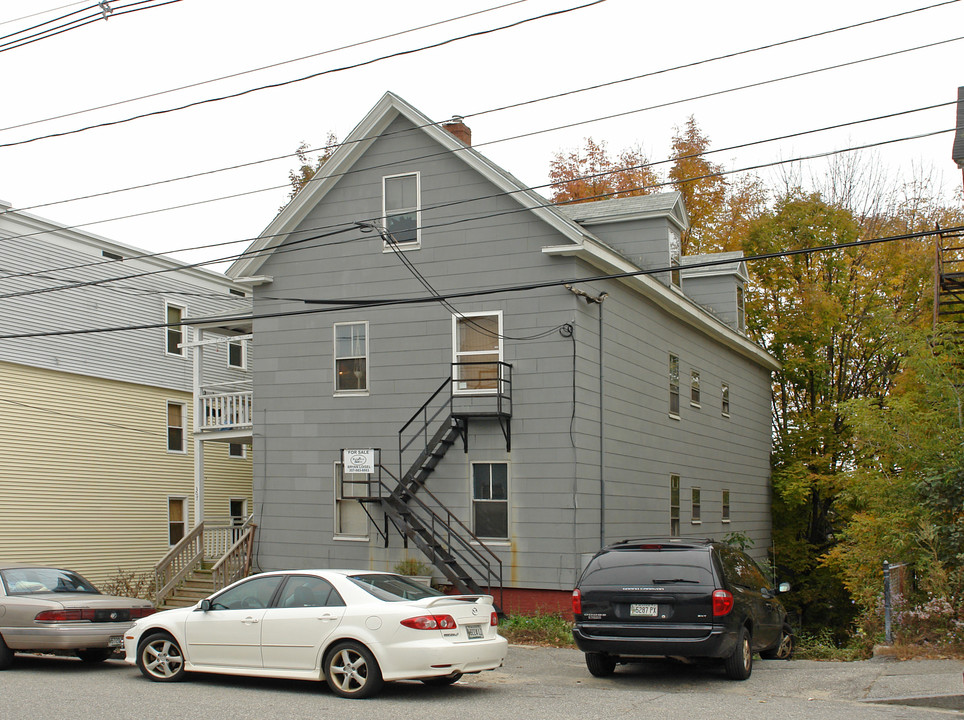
494 619
137 613
57 616
576 602
430 622
722 602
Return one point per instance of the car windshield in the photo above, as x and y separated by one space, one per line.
27 581
393 588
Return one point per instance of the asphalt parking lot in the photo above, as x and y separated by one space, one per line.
535 683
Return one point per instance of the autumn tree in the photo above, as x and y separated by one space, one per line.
590 173
301 176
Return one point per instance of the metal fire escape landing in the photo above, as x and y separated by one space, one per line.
949 279
474 391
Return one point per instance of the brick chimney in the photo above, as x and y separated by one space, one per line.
459 129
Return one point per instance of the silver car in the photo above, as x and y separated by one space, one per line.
51 610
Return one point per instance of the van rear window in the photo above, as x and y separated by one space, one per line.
645 569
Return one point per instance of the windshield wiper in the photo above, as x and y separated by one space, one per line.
676 580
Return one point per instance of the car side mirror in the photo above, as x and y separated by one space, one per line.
784 587
205 605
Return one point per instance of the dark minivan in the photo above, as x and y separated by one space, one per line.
674 597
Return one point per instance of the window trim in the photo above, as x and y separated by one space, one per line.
244 451
186 510
244 354
740 309
725 508
695 392
725 399
674 388
456 354
182 427
360 392
336 533
508 496
417 242
696 506
674 505
182 330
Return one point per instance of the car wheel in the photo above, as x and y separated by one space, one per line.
600 664
783 649
160 659
352 671
740 664
94 655
442 680
6 655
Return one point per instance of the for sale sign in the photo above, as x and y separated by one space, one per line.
358 461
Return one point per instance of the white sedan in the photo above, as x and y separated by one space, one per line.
354 629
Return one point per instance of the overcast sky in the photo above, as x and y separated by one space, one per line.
191 41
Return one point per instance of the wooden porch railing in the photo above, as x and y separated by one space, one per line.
236 561
232 545
224 411
182 559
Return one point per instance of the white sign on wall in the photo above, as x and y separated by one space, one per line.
358 461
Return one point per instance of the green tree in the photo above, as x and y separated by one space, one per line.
831 319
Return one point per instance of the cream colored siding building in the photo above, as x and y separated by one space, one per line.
97 452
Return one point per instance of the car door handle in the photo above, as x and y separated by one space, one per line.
326 618
250 621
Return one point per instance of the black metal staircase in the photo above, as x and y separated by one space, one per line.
418 515
949 279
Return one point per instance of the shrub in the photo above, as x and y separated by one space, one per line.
545 629
129 583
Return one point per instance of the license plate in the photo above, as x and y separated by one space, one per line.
474 632
636 610
115 641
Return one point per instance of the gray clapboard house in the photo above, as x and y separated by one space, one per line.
533 415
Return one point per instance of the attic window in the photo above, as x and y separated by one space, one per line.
401 208
675 252
740 310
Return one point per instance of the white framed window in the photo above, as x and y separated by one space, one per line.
674 505
740 309
237 450
176 427
351 520
674 386
176 519
490 500
401 208
351 358
725 399
675 254
695 388
696 517
238 512
237 355
477 342
175 334
725 514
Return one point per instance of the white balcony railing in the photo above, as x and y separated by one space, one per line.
224 411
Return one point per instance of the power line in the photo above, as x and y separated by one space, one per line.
42 12
338 305
101 13
264 67
498 109
476 218
283 83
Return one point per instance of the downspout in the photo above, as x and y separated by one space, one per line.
598 300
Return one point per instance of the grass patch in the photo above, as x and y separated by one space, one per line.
544 629
823 646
